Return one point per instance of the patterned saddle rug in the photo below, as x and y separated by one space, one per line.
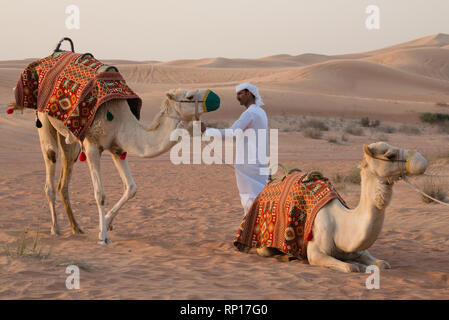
70 87
282 215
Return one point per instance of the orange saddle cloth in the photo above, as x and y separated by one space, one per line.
282 215
71 87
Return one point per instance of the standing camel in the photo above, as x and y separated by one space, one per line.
123 133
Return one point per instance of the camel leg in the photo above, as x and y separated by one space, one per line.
130 188
93 159
49 146
367 259
69 154
267 251
317 258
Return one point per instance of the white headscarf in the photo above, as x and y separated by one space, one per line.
253 89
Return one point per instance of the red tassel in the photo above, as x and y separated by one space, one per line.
123 156
10 111
83 157
309 236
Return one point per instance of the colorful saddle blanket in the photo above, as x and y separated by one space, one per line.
70 87
282 215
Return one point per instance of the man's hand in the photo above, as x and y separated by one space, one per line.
203 127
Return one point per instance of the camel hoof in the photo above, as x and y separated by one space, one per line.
77 230
351 268
104 242
104 238
382 264
55 231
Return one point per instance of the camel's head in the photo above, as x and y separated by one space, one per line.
190 104
390 162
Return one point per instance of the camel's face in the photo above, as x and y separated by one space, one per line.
192 103
388 161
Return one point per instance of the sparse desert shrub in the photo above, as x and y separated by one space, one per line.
80 264
434 189
433 118
354 131
364 122
440 119
219 124
367 123
338 178
354 176
285 123
344 138
332 140
23 248
313 133
317 124
408 129
386 129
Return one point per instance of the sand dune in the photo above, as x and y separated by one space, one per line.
359 78
157 74
276 61
437 40
429 62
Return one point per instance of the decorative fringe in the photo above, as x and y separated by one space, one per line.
309 236
83 156
123 156
12 106
38 122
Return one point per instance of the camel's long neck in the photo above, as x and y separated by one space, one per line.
364 223
139 140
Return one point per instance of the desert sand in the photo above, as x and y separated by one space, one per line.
174 239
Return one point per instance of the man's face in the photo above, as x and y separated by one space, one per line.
243 96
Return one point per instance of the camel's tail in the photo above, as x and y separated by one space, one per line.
12 106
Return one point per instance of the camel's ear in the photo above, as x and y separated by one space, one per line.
367 150
190 94
171 95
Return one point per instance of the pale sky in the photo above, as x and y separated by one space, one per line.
191 29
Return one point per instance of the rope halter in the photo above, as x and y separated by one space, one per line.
403 166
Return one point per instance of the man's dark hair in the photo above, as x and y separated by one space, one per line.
246 90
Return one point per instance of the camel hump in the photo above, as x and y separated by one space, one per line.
313 175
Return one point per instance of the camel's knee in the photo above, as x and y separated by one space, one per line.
49 192
63 190
51 155
131 191
100 197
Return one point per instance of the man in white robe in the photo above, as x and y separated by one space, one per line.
249 169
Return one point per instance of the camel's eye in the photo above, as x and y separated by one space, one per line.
390 155
190 97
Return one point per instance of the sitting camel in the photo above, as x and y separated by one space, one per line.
342 236
123 133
